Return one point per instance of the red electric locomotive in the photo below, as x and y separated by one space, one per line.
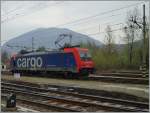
68 59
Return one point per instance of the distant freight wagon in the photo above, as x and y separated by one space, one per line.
70 61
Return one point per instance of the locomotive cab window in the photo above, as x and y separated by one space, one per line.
85 55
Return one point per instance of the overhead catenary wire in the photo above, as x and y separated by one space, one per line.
13 10
82 29
30 7
87 18
107 31
100 19
6 18
99 25
99 14
104 32
103 13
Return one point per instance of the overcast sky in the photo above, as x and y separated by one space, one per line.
19 17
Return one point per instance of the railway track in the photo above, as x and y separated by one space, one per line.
132 77
80 102
132 72
33 102
79 90
115 77
119 78
124 74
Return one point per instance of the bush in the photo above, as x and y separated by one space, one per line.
116 60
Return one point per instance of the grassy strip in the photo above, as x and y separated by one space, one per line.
133 89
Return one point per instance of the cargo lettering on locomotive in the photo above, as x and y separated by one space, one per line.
31 61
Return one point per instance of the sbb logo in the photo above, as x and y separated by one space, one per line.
31 61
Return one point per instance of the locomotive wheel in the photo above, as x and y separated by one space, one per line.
65 75
74 75
84 72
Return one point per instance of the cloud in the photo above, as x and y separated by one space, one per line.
35 14
46 18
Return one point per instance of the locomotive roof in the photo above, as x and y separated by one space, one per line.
40 53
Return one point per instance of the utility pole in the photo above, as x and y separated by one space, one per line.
99 28
131 45
70 38
143 27
32 44
144 43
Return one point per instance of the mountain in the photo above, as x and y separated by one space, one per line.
136 43
45 37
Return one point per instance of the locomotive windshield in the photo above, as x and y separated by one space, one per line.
85 55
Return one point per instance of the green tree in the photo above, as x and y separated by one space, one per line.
42 48
4 57
109 40
132 33
23 51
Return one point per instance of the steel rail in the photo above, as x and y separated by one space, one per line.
82 103
129 80
132 75
43 105
71 101
86 96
